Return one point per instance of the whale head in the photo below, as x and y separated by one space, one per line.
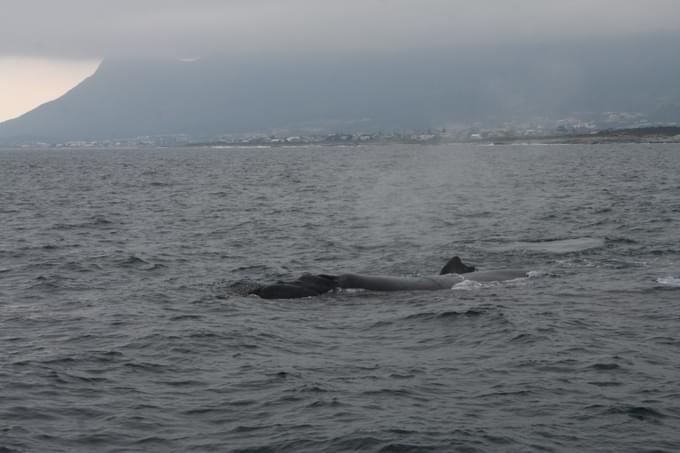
456 266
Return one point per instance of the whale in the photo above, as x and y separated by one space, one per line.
454 272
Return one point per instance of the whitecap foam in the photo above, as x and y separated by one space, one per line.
537 274
467 285
669 281
349 290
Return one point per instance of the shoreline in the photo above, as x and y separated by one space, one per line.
653 135
575 140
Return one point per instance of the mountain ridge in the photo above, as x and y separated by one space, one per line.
403 90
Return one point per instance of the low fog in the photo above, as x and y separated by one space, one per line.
213 67
395 91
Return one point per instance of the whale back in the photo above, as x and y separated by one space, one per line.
386 283
496 276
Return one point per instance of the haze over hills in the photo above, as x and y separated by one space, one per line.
362 92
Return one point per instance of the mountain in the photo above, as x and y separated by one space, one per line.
351 92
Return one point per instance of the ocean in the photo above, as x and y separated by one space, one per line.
121 329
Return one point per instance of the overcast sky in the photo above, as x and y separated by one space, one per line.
75 34
184 28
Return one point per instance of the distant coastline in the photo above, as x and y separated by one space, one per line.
651 135
660 134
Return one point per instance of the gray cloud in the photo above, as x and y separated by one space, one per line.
183 28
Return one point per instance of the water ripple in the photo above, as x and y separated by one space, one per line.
121 328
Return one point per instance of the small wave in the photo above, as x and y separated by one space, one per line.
401 376
106 357
182 383
251 268
577 262
146 367
666 340
132 260
643 413
99 220
186 318
387 392
94 380
669 281
51 282
333 402
75 266
451 314
358 443
96 221
455 314
206 411
638 412
160 441
620 240
400 447
606 383
605 366
311 388
527 338
557 246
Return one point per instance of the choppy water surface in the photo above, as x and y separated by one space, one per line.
119 331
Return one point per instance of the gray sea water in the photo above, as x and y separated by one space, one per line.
120 332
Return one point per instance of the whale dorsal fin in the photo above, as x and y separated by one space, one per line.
456 266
